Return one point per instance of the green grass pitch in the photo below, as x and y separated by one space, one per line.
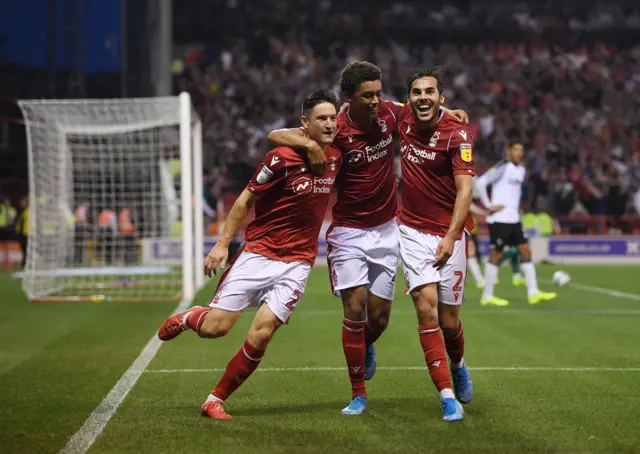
559 377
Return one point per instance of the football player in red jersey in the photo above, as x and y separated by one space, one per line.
281 243
437 170
363 241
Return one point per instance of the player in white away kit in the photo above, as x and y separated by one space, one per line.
363 238
505 229
281 244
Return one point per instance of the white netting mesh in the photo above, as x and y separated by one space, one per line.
105 211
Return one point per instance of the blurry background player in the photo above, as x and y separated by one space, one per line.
437 171
82 231
473 252
106 229
128 238
363 237
22 228
281 245
505 229
473 248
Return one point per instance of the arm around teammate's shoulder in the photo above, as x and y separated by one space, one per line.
297 139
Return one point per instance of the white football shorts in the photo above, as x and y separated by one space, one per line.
360 257
418 253
253 279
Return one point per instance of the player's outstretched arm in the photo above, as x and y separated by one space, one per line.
477 210
483 182
464 184
297 139
220 252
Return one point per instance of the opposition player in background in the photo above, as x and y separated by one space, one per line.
363 237
473 247
506 179
437 170
473 251
281 244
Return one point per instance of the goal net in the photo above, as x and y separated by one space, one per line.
115 199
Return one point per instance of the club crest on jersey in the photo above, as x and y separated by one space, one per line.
433 142
356 158
466 152
383 125
332 164
302 185
265 175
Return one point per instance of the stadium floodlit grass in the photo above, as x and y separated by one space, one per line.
59 360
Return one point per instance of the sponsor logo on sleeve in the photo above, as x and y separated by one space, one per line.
265 175
466 152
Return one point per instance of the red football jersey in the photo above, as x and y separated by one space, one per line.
429 163
367 183
291 205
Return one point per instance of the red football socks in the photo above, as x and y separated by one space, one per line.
435 355
195 317
353 343
241 366
455 344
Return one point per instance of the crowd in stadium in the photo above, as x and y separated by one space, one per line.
575 107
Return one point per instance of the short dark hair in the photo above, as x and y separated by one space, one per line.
419 73
356 73
316 97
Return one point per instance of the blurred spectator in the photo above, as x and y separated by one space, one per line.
564 79
7 218
22 228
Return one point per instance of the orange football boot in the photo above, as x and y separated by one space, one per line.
214 410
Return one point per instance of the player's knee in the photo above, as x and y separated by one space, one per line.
425 300
354 302
448 325
525 253
448 318
379 320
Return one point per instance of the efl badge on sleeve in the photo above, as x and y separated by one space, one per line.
264 175
466 152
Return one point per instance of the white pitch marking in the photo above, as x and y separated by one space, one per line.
423 368
602 290
84 438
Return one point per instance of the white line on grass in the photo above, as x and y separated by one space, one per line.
82 440
602 290
423 368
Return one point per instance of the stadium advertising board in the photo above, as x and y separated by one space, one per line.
562 250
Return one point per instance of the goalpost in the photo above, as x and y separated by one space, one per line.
115 199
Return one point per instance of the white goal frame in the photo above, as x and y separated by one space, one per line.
191 195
